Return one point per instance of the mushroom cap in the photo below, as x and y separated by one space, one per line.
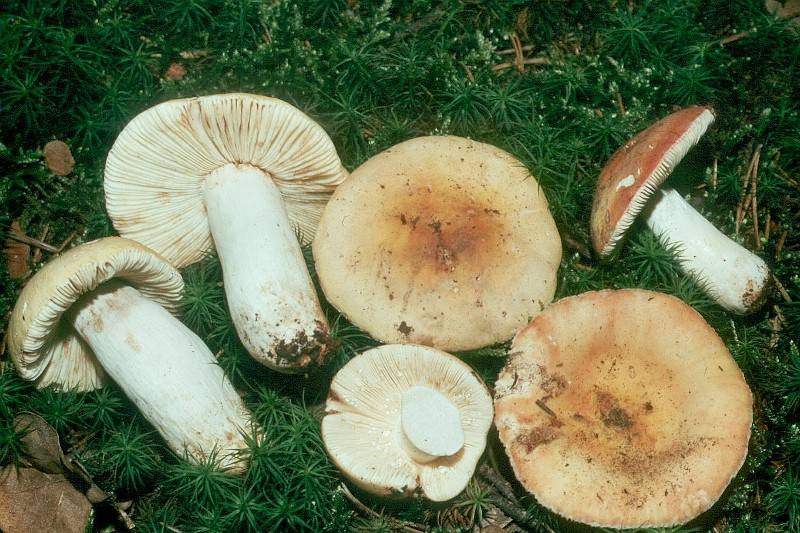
441 241
649 416
156 168
638 168
48 350
362 425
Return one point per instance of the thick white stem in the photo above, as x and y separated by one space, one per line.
430 425
735 278
270 293
166 370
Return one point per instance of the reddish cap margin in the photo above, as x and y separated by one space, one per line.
638 168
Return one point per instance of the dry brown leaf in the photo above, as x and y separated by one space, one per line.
785 9
175 72
34 501
17 254
58 158
41 447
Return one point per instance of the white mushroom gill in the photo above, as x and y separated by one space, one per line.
734 276
430 425
270 293
166 370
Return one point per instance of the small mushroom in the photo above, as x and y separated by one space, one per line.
733 276
440 241
623 409
247 171
406 419
107 307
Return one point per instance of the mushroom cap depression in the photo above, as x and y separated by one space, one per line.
638 168
368 416
623 409
440 241
156 168
48 350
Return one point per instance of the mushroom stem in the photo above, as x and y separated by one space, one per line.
430 425
733 276
166 370
270 294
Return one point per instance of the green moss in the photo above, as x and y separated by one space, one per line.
374 74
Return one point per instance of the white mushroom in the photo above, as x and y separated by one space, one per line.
441 241
623 409
405 419
734 277
246 170
105 307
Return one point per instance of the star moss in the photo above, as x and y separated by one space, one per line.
559 84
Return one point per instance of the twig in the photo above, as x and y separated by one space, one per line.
170 528
519 55
779 245
506 501
620 103
39 244
410 527
574 244
498 482
543 407
529 61
781 289
509 51
714 175
755 214
767 225
787 178
733 38
33 242
470 76
747 179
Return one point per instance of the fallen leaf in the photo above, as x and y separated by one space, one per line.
41 447
783 9
175 72
34 501
58 158
17 254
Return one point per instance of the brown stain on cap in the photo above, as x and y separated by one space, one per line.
440 229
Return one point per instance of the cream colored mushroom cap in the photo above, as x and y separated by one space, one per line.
362 427
441 241
649 416
155 170
48 350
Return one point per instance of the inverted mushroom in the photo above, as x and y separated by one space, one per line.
245 170
623 409
107 307
440 241
405 419
734 277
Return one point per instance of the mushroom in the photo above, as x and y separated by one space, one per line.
623 409
107 307
733 276
405 419
441 241
244 170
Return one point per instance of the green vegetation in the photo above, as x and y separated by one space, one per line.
584 78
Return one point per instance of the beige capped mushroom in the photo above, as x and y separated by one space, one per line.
406 419
247 171
441 241
107 307
631 184
623 409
